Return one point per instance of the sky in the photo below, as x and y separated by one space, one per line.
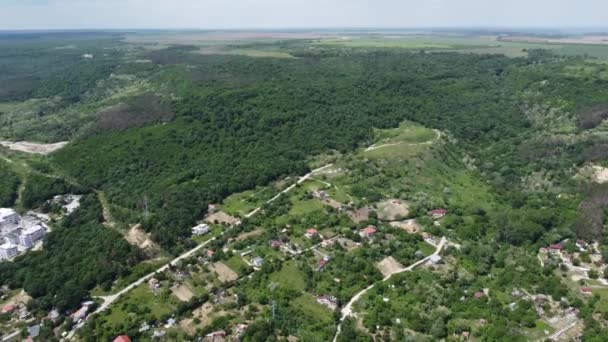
266 14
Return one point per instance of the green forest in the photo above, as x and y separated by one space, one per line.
161 132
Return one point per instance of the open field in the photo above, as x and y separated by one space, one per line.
289 277
224 273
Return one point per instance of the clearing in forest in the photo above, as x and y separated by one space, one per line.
31 147
393 210
222 217
389 266
224 273
410 226
182 292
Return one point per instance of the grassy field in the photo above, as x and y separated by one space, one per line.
466 44
141 298
289 277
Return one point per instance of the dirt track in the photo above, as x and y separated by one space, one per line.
31 147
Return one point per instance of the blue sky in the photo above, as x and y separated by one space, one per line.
234 14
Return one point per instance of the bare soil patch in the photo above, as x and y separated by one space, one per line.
360 215
393 209
348 244
137 237
32 147
203 314
252 233
410 226
224 273
182 292
600 174
389 266
19 298
222 217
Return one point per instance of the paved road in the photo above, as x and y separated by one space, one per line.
347 310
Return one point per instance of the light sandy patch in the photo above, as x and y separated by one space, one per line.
410 226
137 237
360 215
393 209
224 273
222 217
19 298
332 203
182 292
389 266
576 277
600 174
203 314
31 147
244 236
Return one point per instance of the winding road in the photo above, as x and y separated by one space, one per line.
374 147
347 310
111 299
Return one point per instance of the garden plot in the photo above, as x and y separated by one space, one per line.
392 210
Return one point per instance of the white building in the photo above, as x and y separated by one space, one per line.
9 220
201 229
31 235
8 251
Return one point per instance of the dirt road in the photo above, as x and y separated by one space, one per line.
31 147
347 310
374 147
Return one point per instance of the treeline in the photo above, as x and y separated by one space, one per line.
40 188
242 122
78 255
9 183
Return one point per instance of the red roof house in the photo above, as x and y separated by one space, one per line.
586 290
122 338
311 232
8 309
438 213
479 295
368 231
555 248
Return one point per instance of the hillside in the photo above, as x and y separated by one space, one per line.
325 178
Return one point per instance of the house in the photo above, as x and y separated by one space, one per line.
479 295
367 232
586 290
31 235
219 335
9 220
8 309
311 233
329 301
435 259
170 322
210 253
582 245
211 208
327 243
257 262
320 194
122 338
33 331
201 229
555 248
276 244
438 213
8 251
323 262
543 250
